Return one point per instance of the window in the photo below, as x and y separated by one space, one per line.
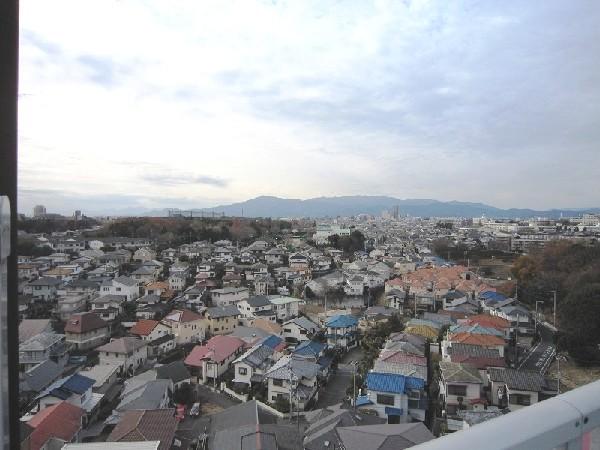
242 370
383 399
520 399
414 398
277 382
302 331
457 390
118 289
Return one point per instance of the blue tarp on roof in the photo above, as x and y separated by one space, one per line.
309 348
394 383
342 321
272 341
493 296
78 384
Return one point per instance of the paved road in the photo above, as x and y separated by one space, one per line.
335 390
541 355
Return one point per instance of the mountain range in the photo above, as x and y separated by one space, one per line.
266 206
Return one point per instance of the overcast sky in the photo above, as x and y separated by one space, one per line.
134 104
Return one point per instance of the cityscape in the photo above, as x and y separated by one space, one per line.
385 330
299 225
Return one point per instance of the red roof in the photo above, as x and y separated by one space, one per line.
62 420
182 315
84 323
144 327
217 349
486 320
146 425
401 357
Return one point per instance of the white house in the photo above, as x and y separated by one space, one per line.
124 286
128 352
229 296
257 306
299 329
285 307
342 332
297 376
460 385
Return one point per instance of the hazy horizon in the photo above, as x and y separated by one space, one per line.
145 105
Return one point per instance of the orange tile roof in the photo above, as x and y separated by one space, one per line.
487 320
144 327
476 339
62 420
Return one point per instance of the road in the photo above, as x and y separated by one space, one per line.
541 355
335 390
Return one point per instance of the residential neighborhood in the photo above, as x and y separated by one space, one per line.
174 344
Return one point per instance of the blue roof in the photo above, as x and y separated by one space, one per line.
362 400
394 383
390 411
78 384
342 321
309 348
324 361
272 341
491 295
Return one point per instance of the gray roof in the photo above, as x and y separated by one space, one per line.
297 367
249 427
41 341
147 396
303 322
39 377
520 380
256 356
223 311
126 281
122 345
473 350
109 299
143 270
384 437
249 332
459 373
45 281
324 428
175 371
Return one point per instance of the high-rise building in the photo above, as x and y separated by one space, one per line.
77 215
39 210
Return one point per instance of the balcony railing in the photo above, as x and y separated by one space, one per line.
568 421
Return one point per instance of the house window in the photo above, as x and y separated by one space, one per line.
277 382
414 398
520 399
383 399
118 289
457 390
242 370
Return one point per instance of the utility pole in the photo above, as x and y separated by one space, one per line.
517 342
554 310
536 314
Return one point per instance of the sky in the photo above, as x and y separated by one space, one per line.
126 104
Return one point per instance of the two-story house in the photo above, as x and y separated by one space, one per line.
43 288
293 377
86 330
229 296
222 319
209 361
514 389
42 347
299 329
342 332
250 367
255 307
128 352
285 308
187 326
460 387
124 286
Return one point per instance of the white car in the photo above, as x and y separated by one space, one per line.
195 410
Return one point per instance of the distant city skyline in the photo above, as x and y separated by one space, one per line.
147 104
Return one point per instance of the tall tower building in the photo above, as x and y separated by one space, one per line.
39 210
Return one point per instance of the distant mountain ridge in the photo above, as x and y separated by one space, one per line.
267 206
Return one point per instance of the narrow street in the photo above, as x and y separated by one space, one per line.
335 390
541 355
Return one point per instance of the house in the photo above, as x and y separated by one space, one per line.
354 285
160 288
42 347
128 352
105 377
460 388
31 327
251 366
294 375
383 437
149 330
144 275
482 340
285 308
108 307
396 397
175 371
146 425
262 283
144 254
71 304
123 286
187 326
177 282
342 332
87 330
56 425
229 296
257 306
36 379
474 355
43 288
514 389
322 431
298 261
75 389
143 391
249 425
396 299
299 329
222 319
275 256
209 361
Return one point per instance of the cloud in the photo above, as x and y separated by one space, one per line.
476 101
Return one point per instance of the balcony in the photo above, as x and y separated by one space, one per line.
568 421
